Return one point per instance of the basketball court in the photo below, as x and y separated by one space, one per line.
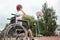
48 38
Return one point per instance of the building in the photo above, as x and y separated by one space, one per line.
57 31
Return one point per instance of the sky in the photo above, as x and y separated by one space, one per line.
30 7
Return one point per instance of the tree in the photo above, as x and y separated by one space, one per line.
48 23
31 21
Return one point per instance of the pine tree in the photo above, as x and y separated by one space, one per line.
48 23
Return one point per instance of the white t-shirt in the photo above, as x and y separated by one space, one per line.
19 16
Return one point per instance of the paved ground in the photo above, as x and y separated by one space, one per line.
48 38
42 38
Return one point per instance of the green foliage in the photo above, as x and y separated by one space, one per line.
48 23
31 21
